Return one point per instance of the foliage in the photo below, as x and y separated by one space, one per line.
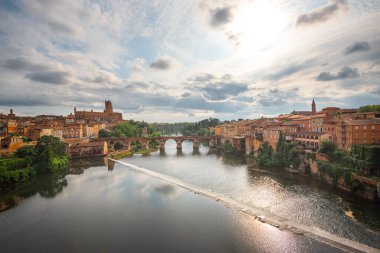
335 171
26 151
15 176
130 129
228 148
46 150
118 145
15 163
369 108
286 155
104 133
49 155
327 147
188 128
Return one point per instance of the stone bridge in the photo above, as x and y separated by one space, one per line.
111 141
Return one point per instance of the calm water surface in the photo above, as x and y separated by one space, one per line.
115 209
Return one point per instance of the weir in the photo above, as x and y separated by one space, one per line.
262 215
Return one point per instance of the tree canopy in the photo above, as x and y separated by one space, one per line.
369 108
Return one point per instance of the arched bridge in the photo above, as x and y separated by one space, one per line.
111 141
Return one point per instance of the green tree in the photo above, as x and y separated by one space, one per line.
118 146
369 108
327 147
104 133
26 151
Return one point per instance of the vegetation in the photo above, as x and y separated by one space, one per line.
47 156
286 155
336 170
363 159
131 129
229 149
188 128
370 108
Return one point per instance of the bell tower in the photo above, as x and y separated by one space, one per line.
108 106
313 107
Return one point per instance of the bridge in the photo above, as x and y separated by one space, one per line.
126 142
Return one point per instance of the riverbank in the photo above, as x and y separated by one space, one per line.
48 156
262 215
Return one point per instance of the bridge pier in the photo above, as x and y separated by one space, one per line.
195 144
162 145
179 144
211 143
145 145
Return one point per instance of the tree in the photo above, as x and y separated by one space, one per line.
327 147
369 108
104 133
26 151
47 148
118 145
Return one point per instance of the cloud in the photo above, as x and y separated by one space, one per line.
104 77
137 64
220 16
360 46
288 71
276 97
346 72
62 27
322 14
186 94
162 63
223 90
216 89
202 77
22 64
55 77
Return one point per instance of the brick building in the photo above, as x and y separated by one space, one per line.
107 115
350 132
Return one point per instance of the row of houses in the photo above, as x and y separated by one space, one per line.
74 129
344 127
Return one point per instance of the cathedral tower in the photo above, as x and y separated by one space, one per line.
108 106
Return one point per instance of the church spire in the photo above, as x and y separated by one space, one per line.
313 107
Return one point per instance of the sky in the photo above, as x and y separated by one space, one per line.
176 60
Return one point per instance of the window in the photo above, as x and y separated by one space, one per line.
373 127
364 127
356 128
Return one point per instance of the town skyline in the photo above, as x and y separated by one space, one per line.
168 62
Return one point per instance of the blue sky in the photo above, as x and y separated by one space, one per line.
188 60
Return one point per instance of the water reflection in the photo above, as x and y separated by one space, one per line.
126 211
47 186
296 197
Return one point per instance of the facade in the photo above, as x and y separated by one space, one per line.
72 131
272 135
88 149
352 132
316 122
38 131
107 115
312 140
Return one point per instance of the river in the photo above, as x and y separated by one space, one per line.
113 208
